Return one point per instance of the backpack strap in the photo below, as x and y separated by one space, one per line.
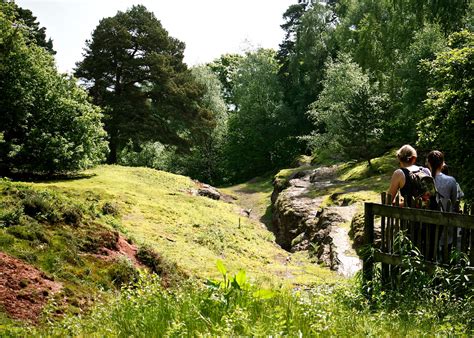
406 190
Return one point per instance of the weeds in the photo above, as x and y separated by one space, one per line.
232 305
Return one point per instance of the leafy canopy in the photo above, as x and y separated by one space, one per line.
135 70
46 121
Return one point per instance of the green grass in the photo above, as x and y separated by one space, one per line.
156 208
233 306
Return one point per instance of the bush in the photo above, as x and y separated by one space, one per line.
47 123
29 233
41 207
123 272
110 209
73 215
150 258
10 216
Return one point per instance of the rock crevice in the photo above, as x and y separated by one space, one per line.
301 222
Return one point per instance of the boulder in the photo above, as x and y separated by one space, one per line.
209 191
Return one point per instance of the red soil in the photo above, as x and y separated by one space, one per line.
24 289
123 249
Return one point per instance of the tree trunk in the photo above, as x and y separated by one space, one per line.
113 146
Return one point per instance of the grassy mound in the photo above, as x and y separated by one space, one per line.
64 227
69 228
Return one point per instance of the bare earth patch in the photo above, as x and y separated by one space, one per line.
24 289
124 249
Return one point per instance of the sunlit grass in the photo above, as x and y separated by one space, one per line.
157 208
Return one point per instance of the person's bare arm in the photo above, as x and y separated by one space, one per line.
397 181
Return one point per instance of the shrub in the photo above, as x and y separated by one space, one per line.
72 215
41 206
150 258
10 216
110 209
29 233
123 272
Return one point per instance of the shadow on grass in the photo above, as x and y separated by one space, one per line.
267 218
43 178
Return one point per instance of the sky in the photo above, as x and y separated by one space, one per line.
209 28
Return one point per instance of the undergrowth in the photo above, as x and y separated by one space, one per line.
232 305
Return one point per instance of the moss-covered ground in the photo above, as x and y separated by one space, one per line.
57 226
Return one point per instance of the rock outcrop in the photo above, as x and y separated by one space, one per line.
301 222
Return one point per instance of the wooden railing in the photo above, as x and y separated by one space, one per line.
434 233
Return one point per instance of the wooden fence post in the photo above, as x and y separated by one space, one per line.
368 263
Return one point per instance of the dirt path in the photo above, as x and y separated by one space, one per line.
349 262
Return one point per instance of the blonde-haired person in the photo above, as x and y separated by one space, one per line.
407 158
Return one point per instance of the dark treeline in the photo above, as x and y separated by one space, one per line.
350 80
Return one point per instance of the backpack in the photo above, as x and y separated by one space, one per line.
418 184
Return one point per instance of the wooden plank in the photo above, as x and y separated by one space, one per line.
397 221
382 223
427 242
425 216
368 264
396 260
418 237
436 243
385 273
464 240
455 237
445 245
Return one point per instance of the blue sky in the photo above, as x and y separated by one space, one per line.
209 28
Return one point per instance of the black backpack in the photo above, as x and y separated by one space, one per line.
418 184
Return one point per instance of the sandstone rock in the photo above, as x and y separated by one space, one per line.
299 220
209 191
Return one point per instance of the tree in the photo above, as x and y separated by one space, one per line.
303 53
449 122
415 81
257 129
225 68
33 31
205 160
47 124
135 70
349 111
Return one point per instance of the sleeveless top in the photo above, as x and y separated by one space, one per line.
405 190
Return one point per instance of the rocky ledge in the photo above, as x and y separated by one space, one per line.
301 222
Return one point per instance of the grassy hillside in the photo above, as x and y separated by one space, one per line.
158 209
63 227
66 228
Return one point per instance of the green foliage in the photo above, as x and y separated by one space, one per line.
449 125
234 306
443 294
150 258
148 154
257 134
308 43
225 68
205 160
34 32
135 71
122 272
426 42
350 111
46 121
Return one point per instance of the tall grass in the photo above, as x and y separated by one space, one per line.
232 306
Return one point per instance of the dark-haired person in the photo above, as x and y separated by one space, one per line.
447 191
446 185
407 158
445 170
